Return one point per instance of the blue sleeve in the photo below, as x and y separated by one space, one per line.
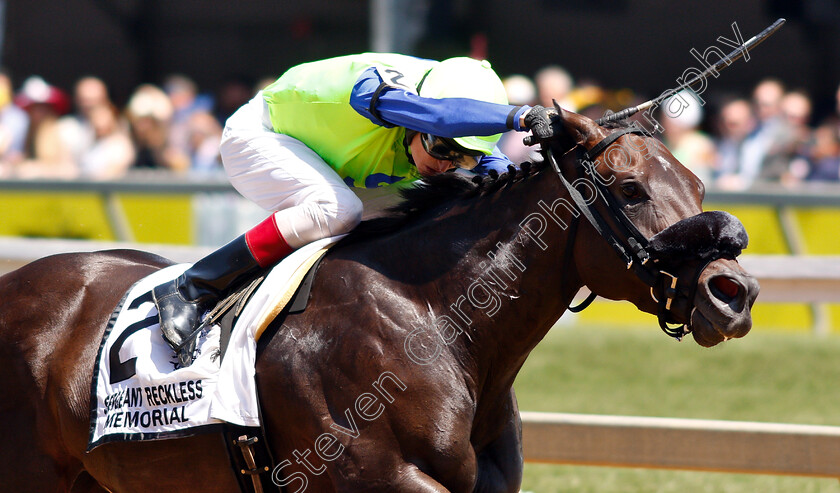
497 161
449 117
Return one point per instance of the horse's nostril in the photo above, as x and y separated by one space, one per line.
724 288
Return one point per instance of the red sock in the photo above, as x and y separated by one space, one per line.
266 243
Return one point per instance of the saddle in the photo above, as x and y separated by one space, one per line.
227 310
247 447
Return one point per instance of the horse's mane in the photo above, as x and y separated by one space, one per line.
438 189
435 190
627 123
612 125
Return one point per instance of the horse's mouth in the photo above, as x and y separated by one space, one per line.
704 331
725 295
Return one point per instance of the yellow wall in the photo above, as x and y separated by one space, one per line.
819 230
64 215
160 218
150 218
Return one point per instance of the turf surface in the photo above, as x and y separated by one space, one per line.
767 376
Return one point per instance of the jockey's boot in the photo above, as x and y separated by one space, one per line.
183 301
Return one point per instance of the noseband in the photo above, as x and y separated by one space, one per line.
629 243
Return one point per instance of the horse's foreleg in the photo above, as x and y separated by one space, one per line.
85 483
32 456
500 463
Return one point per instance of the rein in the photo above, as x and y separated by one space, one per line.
626 240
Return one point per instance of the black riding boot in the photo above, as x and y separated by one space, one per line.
182 302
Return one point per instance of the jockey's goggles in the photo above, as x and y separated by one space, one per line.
449 150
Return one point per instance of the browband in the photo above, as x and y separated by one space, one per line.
591 154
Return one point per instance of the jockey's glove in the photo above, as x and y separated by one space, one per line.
539 120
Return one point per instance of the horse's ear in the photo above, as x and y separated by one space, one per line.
580 129
565 137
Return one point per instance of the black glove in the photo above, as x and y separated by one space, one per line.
540 120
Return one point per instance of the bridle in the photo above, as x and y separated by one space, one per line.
630 244
632 247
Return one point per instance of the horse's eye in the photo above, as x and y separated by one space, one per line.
630 190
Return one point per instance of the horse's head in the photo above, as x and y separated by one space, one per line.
662 252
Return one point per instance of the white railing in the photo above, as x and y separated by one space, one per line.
783 278
691 444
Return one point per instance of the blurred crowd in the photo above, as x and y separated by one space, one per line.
49 133
731 143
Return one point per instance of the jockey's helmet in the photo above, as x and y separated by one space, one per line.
463 77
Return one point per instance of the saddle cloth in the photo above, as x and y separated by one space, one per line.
139 392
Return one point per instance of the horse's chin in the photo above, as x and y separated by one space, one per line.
703 331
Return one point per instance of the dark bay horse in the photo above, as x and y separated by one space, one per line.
398 377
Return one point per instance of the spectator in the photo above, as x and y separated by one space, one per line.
774 142
767 97
186 101
739 153
692 147
796 111
232 94
205 133
825 154
520 91
149 114
773 137
45 154
76 129
111 152
264 82
14 123
793 164
554 82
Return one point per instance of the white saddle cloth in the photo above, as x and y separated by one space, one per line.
140 393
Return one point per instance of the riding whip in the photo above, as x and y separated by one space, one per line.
735 55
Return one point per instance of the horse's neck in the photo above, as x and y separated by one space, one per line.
507 287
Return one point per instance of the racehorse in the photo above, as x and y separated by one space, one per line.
398 376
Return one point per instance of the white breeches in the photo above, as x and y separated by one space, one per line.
281 174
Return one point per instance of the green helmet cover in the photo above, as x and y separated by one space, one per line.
463 77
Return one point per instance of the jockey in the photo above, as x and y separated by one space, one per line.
325 127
